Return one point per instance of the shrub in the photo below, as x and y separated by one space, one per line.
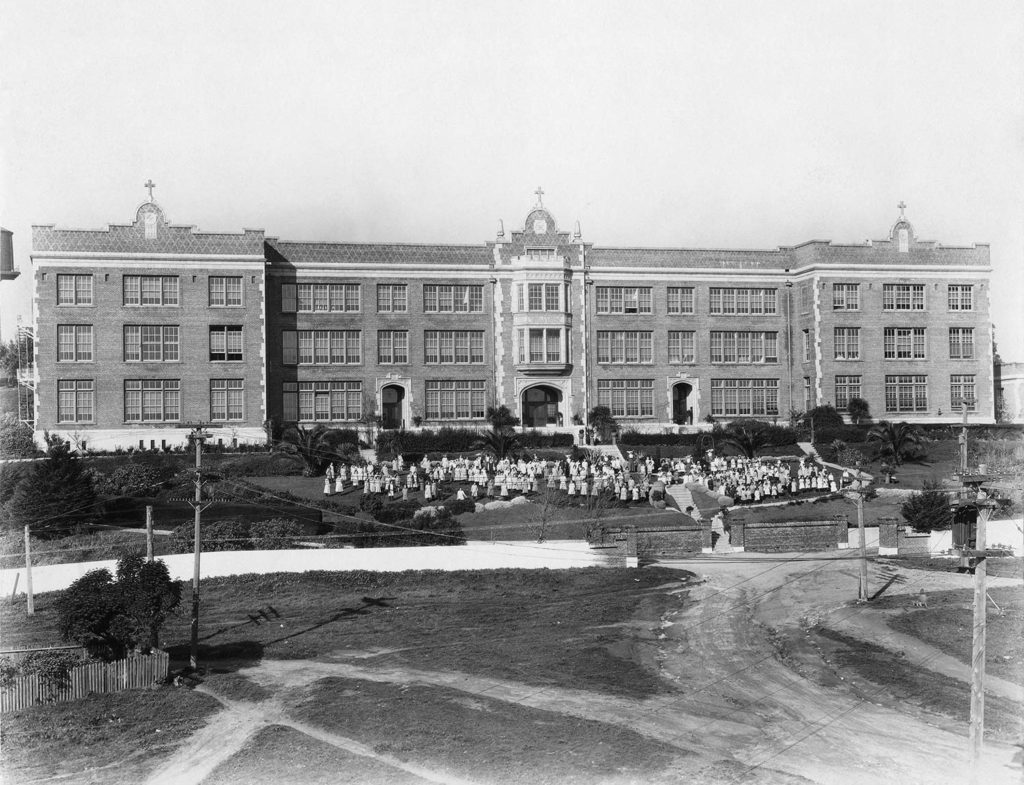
371 503
858 410
55 496
459 506
397 511
52 667
230 534
134 479
824 417
928 510
275 534
256 464
16 438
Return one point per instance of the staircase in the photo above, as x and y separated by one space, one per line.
611 450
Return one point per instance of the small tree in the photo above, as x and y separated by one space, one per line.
501 418
858 410
928 510
603 423
896 440
111 617
55 496
316 446
502 443
747 439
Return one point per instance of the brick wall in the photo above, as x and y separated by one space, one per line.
787 537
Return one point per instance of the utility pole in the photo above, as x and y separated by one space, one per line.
857 488
976 733
30 602
149 532
197 436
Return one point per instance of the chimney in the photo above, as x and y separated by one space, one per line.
7 271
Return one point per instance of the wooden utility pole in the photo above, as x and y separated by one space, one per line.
198 436
976 733
863 593
30 602
149 532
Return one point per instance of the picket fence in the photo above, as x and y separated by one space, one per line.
140 670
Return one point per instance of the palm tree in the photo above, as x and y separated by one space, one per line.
501 417
747 440
499 442
316 446
895 439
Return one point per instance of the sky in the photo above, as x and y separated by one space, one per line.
663 124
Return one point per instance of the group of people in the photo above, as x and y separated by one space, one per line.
746 480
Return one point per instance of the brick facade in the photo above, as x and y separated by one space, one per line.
538 319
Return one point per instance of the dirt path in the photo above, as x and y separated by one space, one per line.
228 731
738 701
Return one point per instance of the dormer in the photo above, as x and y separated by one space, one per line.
902 233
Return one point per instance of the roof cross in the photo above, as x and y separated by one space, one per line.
150 185
902 205
540 196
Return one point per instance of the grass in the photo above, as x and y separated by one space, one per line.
114 737
948 623
874 510
543 627
998 566
882 677
445 729
281 754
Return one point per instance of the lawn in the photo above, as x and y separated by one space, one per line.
551 626
120 736
810 510
948 623
559 629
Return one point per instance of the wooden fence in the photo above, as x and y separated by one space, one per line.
140 670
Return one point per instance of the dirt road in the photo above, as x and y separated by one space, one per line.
736 701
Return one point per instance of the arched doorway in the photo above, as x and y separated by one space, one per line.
540 407
391 399
682 408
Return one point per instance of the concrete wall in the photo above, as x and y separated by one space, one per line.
474 555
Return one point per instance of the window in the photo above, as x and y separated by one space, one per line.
682 346
903 237
623 346
540 345
961 390
961 343
906 393
680 299
74 343
847 343
845 297
806 336
75 400
744 347
540 254
904 343
753 302
807 393
392 298
539 297
738 397
623 299
74 290
627 397
847 387
322 347
225 290
152 400
960 297
455 399
903 297
440 298
451 347
227 398
225 342
392 347
323 401
150 290
320 297
151 343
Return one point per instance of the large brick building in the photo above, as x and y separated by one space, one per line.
144 328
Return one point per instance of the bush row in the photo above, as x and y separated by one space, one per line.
453 440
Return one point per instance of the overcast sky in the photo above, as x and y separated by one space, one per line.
707 124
